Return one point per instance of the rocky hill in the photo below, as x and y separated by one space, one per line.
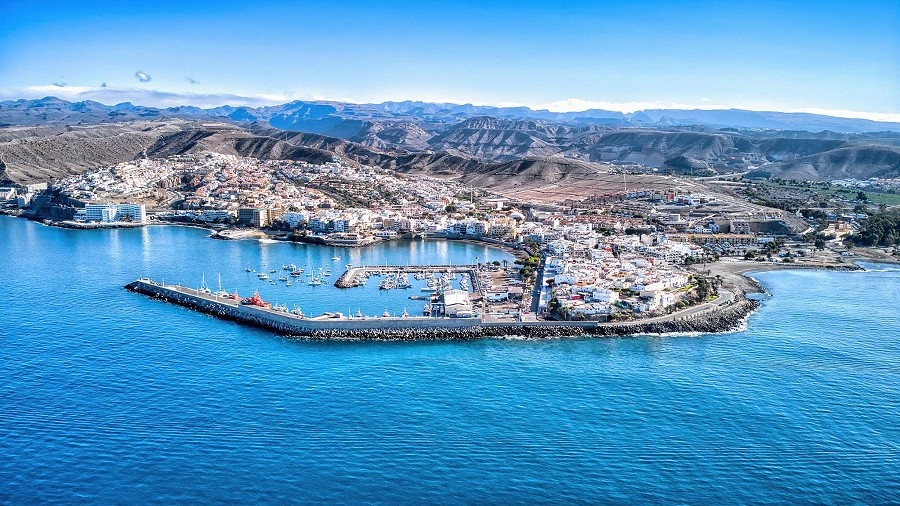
60 137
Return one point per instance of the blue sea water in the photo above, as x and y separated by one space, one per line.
110 397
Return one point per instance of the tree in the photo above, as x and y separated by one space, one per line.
862 196
820 243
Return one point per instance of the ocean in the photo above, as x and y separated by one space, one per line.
107 396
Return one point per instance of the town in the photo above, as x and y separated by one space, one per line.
626 254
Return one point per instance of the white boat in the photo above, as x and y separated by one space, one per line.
315 281
297 311
288 283
282 278
335 258
203 288
220 292
262 275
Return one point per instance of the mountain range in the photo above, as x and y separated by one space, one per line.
49 137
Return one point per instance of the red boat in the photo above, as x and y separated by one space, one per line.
257 301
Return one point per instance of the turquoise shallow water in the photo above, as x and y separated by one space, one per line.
107 396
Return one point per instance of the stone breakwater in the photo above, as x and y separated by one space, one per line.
722 319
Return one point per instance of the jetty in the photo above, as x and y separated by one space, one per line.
726 316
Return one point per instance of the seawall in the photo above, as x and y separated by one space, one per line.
722 319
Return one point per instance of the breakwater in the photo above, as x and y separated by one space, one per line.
720 319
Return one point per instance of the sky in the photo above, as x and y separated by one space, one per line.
838 58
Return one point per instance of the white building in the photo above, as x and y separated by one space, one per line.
107 213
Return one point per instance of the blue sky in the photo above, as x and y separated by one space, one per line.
788 56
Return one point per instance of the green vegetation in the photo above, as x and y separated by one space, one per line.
881 229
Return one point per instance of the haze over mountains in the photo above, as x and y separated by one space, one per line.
52 137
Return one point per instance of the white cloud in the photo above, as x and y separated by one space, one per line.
152 98
142 76
578 105
843 113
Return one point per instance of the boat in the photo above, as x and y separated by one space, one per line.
403 281
262 275
386 314
256 300
359 313
297 311
405 314
281 308
272 270
315 281
203 288
271 281
282 278
247 269
220 292
335 258
298 272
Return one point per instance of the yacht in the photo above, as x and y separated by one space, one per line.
262 275
203 288
220 292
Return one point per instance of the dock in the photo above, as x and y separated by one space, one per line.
354 275
339 326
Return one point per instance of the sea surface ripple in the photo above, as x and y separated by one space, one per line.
110 397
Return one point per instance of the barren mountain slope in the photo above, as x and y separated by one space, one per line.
31 155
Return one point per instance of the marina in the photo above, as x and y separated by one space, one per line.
458 323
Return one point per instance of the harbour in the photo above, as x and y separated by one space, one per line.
257 312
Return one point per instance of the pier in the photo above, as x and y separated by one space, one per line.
723 318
